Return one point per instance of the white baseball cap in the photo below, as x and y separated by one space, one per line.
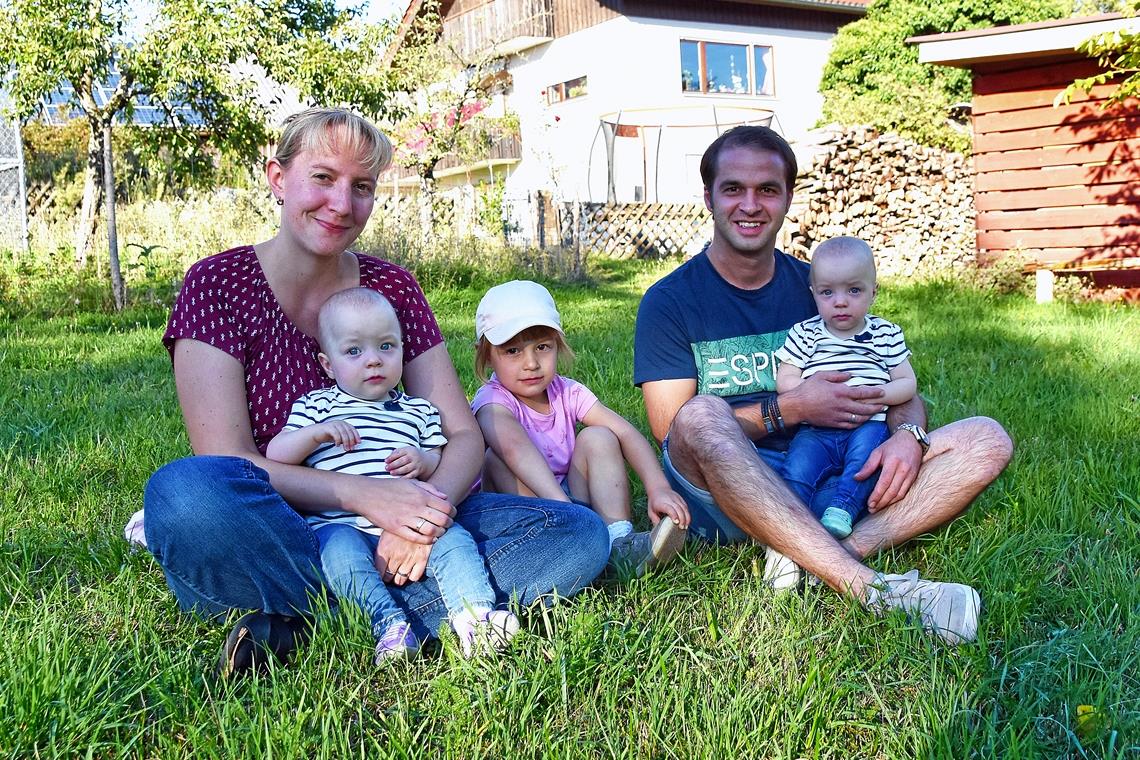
508 309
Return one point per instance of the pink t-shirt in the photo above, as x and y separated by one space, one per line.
553 433
226 302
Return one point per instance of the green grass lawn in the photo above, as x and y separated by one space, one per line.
697 661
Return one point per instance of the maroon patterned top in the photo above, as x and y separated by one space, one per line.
226 302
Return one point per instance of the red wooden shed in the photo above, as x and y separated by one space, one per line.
1058 183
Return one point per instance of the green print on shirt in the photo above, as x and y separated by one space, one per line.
736 366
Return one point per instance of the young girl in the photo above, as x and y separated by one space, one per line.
528 414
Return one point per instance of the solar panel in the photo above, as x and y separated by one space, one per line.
147 112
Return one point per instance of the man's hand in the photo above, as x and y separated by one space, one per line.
900 457
825 400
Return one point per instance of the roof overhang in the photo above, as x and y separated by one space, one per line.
1037 40
413 7
854 7
408 178
475 167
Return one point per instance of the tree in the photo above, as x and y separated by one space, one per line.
205 55
874 77
444 110
1119 53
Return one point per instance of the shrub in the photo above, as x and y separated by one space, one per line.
873 75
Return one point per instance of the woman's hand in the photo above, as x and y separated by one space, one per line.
412 510
400 561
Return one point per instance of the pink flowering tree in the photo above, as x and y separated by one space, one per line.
447 107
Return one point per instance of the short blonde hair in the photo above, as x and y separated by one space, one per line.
483 349
328 129
845 246
351 298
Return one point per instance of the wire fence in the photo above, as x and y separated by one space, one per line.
13 197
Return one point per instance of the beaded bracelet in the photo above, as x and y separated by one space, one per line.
766 415
774 410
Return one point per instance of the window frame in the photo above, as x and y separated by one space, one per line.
751 49
563 91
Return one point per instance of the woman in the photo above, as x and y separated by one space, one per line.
223 524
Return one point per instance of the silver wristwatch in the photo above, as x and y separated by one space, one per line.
918 433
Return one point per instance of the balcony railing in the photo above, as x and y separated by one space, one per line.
504 150
500 27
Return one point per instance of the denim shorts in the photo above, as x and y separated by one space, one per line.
707 521
566 490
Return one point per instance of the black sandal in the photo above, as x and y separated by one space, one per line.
256 639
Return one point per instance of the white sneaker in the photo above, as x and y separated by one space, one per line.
948 610
780 572
484 633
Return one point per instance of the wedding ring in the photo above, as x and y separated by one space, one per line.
853 418
421 524
398 574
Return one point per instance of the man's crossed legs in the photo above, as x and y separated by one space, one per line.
734 495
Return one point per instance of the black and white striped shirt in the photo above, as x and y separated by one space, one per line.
386 424
868 356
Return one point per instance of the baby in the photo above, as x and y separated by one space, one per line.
364 426
843 338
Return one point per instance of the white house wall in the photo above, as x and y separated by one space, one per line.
635 63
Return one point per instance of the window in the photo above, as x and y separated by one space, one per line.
721 67
571 88
762 68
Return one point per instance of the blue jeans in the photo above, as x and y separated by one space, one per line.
818 453
707 521
226 540
454 563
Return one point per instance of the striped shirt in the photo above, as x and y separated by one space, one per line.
386 424
869 355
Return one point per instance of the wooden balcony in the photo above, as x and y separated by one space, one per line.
503 151
500 28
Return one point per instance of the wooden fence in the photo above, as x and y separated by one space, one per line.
621 231
635 230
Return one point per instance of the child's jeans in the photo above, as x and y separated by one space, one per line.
347 560
816 453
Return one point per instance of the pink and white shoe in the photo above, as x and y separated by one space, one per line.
484 633
397 643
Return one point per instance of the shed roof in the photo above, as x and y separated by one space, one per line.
1036 40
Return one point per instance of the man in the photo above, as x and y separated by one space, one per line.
703 359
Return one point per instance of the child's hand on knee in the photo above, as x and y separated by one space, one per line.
665 502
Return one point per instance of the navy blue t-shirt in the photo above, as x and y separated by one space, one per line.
693 324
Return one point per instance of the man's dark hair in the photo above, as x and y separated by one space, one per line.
756 138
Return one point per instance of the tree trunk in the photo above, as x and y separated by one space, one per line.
92 195
427 196
118 291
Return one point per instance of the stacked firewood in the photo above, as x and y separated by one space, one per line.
912 203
